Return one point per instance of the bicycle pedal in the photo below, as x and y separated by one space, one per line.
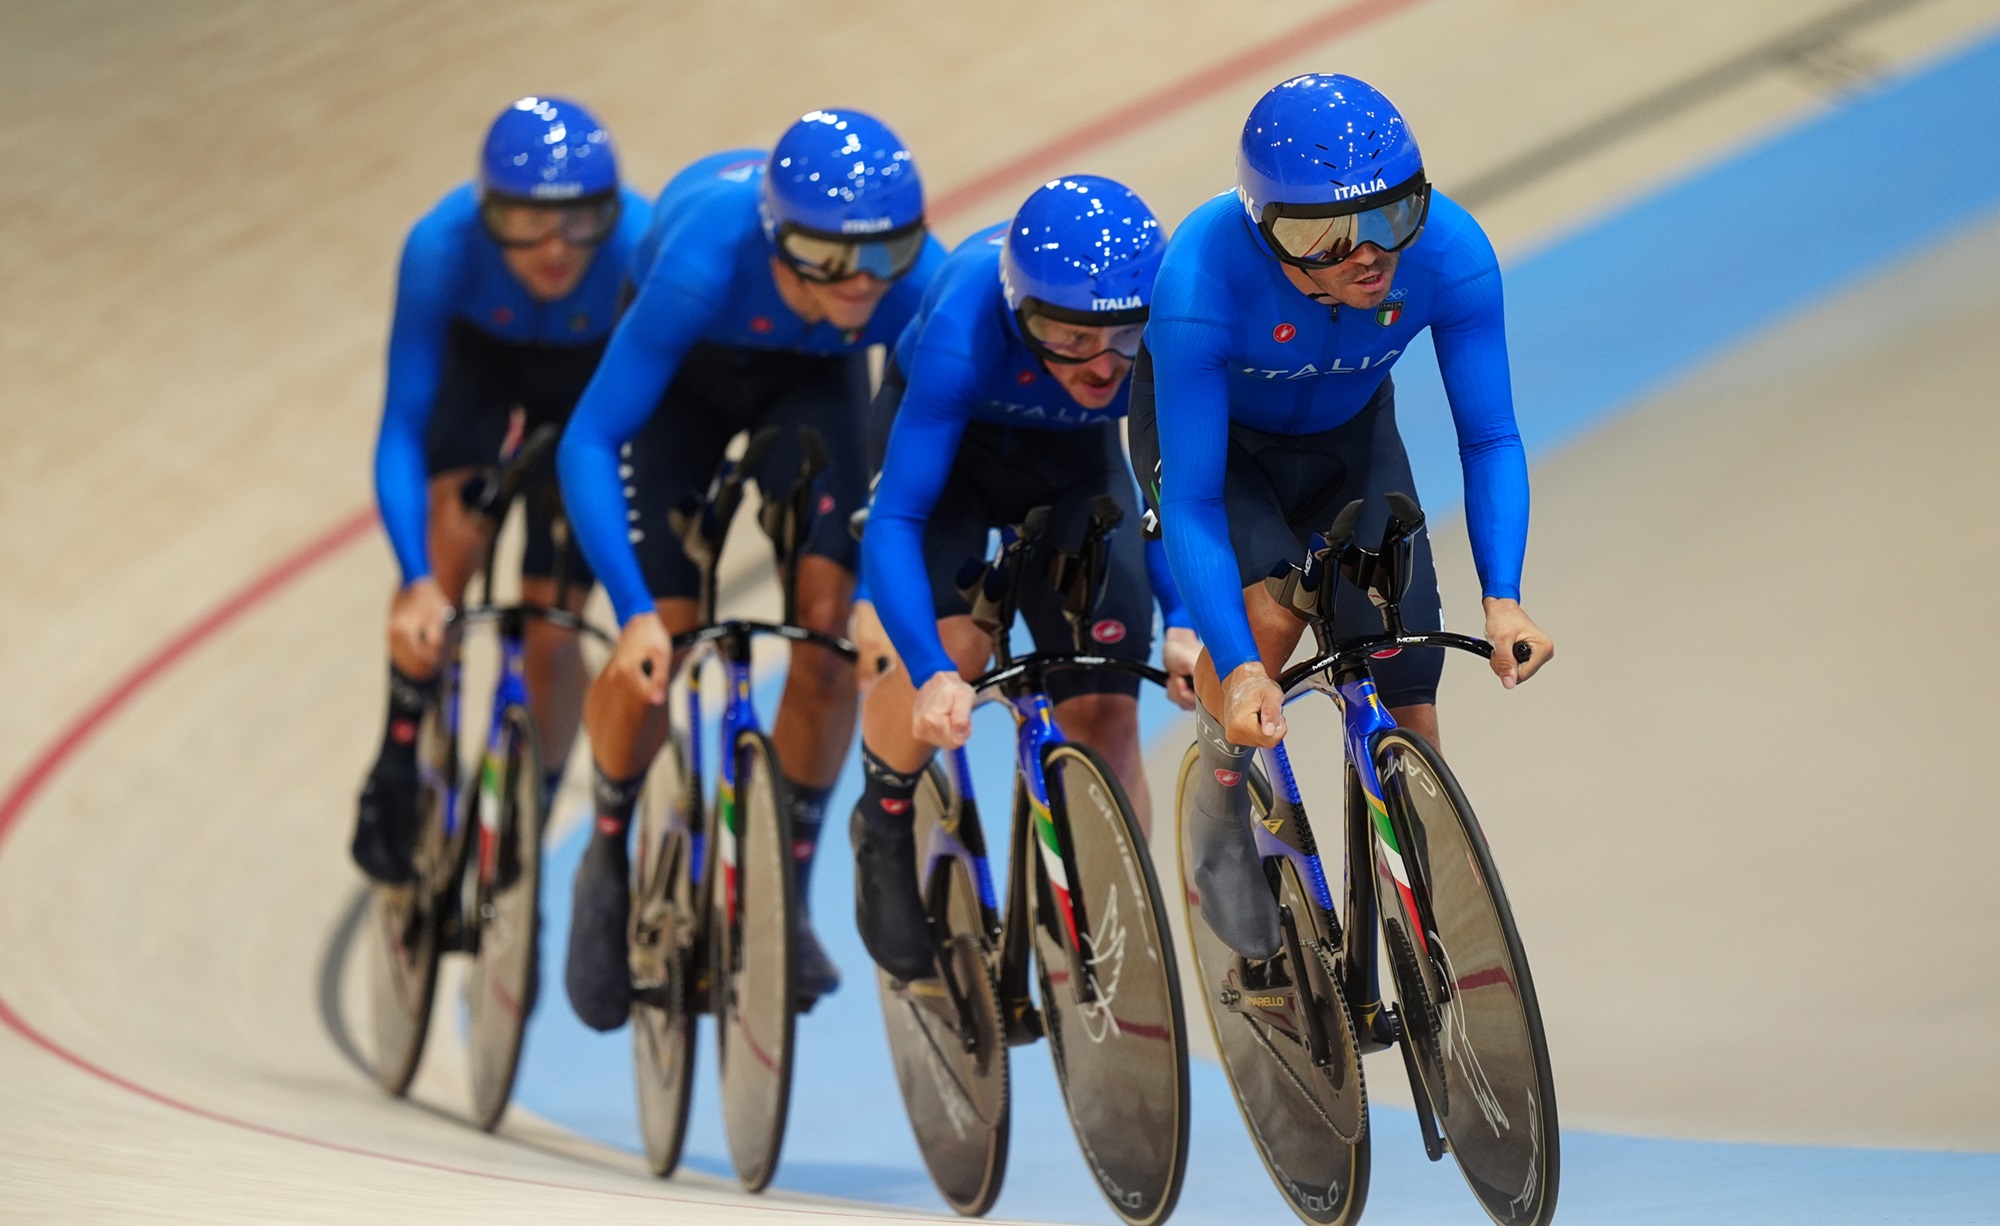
1024 1025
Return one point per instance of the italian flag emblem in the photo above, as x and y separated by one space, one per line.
1388 313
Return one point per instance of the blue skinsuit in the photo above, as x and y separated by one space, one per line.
704 277
1233 342
452 273
964 361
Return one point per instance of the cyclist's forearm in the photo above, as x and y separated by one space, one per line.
594 499
892 559
1166 593
1204 566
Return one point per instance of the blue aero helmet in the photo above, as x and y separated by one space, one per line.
1326 163
1082 251
548 168
842 198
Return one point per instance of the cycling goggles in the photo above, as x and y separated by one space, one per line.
1322 235
824 258
524 223
1071 338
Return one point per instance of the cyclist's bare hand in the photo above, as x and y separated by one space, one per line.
942 715
1179 654
639 662
1253 708
416 627
1507 625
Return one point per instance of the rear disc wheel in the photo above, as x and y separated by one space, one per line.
666 935
1308 1122
945 1033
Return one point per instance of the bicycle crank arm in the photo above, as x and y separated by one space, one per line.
1316 1043
1420 1097
1023 1022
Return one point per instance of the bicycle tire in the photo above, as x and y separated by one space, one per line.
956 1092
1496 1102
407 920
666 939
1123 1070
501 985
751 929
1309 1126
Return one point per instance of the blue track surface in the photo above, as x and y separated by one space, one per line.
1599 319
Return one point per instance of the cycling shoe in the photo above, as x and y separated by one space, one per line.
385 825
888 903
814 974
1235 897
598 973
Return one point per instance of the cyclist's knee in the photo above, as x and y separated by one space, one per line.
966 644
1108 723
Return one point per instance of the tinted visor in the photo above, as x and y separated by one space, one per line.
1320 235
1071 338
530 223
821 257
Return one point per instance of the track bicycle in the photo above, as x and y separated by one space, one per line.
713 894
1291 1029
474 895
1096 927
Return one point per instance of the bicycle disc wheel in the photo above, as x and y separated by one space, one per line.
1486 1063
1309 1124
666 932
500 990
751 917
406 919
945 1034
1121 1059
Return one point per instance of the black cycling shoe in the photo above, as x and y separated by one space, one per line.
385 824
814 974
888 903
1235 897
598 973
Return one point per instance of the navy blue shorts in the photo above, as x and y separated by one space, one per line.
999 475
721 391
1280 489
485 379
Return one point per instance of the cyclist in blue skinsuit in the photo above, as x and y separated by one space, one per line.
1263 404
1005 394
761 286
505 295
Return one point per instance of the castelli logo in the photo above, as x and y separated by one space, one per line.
404 731
610 825
503 316
1283 333
892 805
1025 378
760 324
1108 631
1228 779
826 504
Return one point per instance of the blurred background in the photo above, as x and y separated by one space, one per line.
1752 255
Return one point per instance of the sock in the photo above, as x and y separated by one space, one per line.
1220 791
614 799
808 814
407 699
886 794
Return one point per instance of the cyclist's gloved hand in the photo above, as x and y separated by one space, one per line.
1253 708
639 662
416 627
1507 625
1178 655
943 714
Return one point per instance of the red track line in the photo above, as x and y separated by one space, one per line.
1165 101
27 786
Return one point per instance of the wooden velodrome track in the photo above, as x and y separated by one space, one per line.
1759 905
